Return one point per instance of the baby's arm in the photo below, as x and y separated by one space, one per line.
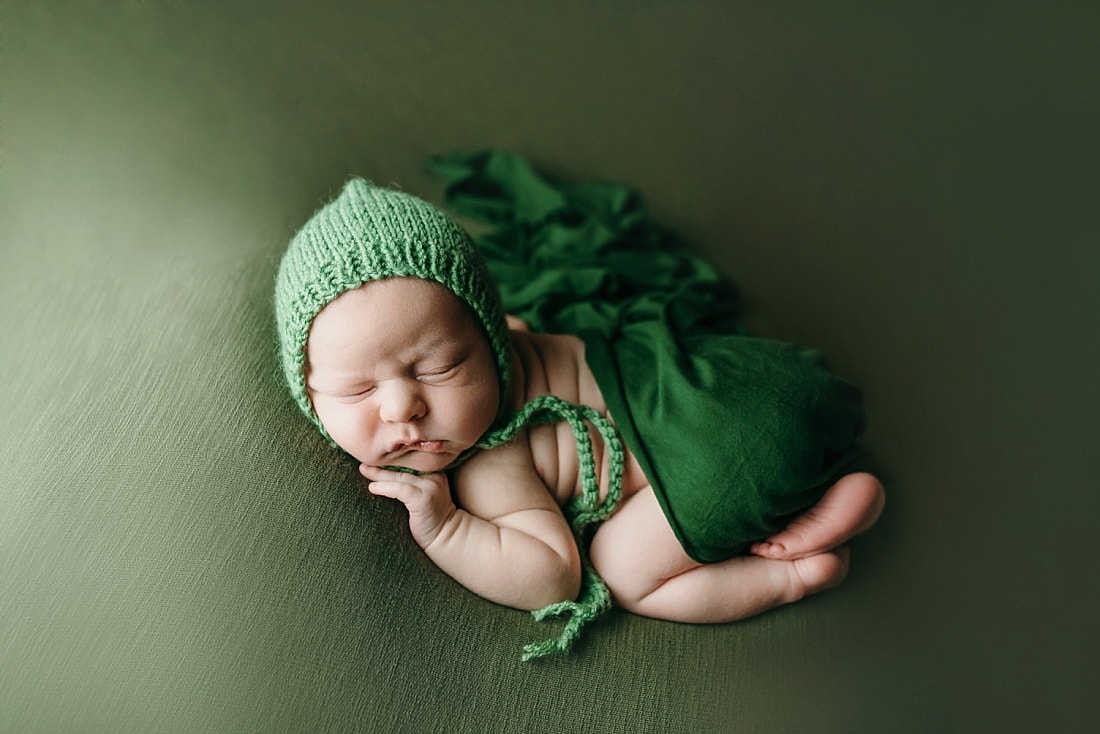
507 541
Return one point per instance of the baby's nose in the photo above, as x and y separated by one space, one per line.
402 402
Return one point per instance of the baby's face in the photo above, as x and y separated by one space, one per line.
400 374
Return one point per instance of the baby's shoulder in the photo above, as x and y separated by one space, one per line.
553 364
505 478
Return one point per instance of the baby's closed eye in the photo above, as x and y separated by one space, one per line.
437 374
358 392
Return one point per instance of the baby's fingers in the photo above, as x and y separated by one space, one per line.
375 472
415 491
427 498
389 484
393 490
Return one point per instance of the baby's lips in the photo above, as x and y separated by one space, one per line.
425 445
430 447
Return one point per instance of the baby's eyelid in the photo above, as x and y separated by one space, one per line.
438 371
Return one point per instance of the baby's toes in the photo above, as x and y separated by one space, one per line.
768 549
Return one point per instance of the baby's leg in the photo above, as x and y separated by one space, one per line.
648 573
848 508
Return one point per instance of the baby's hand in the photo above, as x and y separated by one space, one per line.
427 497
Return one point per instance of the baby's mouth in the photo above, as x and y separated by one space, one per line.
428 447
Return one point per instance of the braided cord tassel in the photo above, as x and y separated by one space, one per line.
582 513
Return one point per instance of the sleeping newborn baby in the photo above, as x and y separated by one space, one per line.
698 478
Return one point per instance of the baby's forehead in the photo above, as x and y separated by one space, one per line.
388 307
393 297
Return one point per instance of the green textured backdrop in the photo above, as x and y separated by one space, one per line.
911 189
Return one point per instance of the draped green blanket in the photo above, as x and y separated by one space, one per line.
735 433
570 257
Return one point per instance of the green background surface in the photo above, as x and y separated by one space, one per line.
910 187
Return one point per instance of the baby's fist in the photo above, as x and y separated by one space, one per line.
427 497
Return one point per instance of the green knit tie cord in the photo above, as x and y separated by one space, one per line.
582 513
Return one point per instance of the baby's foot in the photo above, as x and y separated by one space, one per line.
819 572
847 509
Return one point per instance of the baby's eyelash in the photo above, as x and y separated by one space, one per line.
440 371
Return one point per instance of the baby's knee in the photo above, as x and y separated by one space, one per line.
624 579
634 561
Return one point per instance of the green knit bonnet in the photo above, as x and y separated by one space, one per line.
369 233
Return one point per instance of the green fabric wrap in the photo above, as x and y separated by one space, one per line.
735 433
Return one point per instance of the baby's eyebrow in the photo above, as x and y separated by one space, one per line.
446 340
338 383
432 352
443 348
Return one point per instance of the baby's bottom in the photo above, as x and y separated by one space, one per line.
649 573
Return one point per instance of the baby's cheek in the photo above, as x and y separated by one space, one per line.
357 447
343 426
